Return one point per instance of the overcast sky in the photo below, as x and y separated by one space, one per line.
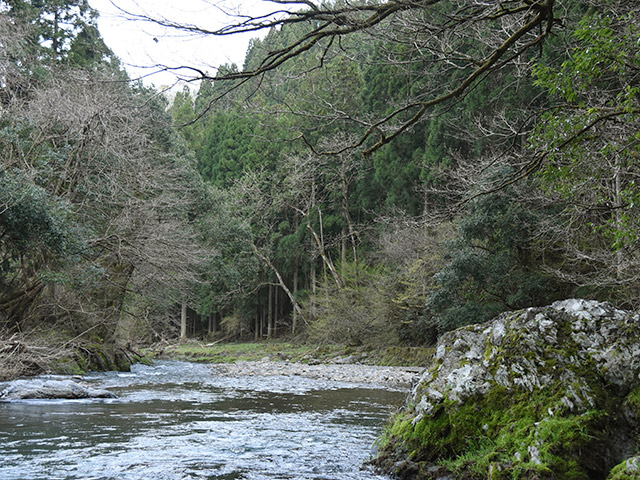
142 44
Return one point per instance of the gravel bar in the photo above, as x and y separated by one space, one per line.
356 373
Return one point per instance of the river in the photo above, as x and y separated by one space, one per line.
178 420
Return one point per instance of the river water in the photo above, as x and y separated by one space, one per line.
177 420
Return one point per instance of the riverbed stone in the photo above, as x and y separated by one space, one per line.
550 392
51 389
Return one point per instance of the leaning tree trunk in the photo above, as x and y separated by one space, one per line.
292 298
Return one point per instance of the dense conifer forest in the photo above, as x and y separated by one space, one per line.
375 173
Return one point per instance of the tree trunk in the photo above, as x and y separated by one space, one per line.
256 334
270 313
347 216
323 254
276 312
294 322
343 250
111 295
314 288
183 322
618 214
56 32
319 239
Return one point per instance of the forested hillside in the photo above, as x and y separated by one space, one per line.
394 170
374 173
98 195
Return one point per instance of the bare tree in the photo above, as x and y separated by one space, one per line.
95 146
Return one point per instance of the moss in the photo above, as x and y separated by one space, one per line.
121 361
504 434
488 352
97 357
236 352
401 356
141 359
251 351
632 401
627 470
69 366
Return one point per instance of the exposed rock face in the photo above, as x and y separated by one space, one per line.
50 389
539 393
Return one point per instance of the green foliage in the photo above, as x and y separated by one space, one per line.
31 220
97 190
233 267
626 470
598 80
606 52
234 147
88 50
505 246
234 144
61 29
492 265
397 174
592 133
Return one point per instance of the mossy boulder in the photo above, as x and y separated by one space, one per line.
541 393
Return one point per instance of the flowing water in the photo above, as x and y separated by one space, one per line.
178 420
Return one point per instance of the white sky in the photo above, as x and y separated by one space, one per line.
142 44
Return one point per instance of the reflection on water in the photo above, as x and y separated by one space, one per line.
177 420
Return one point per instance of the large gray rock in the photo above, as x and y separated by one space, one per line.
539 393
51 389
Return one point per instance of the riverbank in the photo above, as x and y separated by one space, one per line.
294 353
392 366
30 355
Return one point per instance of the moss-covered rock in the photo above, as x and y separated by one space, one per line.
627 470
542 393
98 357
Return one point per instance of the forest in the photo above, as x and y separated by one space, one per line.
375 173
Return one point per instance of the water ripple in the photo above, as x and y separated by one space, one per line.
177 420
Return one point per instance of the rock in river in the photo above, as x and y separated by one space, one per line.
541 393
51 389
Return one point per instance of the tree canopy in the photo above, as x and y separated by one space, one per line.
450 102
373 170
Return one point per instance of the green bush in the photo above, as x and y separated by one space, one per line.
361 313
